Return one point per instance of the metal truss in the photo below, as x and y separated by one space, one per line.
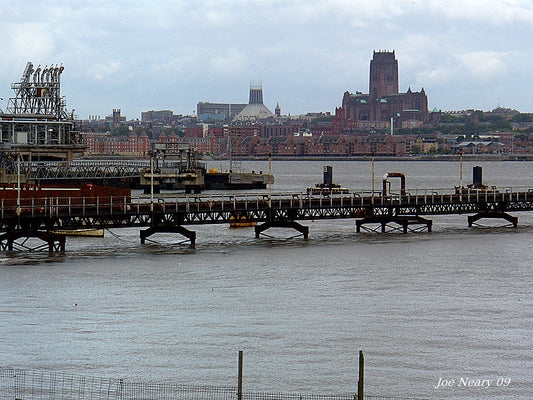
69 171
20 240
221 209
39 93
171 214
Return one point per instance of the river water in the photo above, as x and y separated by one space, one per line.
446 306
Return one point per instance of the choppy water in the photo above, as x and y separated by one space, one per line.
453 304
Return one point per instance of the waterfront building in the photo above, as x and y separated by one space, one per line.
218 112
137 145
161 116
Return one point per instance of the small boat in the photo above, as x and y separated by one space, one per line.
89 232
241 222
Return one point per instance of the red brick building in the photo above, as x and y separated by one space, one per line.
130 145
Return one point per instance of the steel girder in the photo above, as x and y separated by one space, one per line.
200 212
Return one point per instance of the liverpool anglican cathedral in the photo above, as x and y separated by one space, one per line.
383 105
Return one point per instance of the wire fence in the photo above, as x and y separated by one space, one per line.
19 384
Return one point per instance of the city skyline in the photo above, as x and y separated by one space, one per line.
138 56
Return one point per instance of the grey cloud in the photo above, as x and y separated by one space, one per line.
141 54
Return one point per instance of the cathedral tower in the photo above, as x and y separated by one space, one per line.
383 74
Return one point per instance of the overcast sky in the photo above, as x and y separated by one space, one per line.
140 55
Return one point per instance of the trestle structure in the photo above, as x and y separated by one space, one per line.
401 223
159 224
493 210
492 214
20 240
191 235
403 212
278 220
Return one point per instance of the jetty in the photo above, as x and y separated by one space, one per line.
373 211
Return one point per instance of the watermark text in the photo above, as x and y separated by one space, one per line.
472 382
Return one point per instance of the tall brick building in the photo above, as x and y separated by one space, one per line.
383 101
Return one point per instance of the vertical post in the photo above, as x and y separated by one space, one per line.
461 174
239 382
361 383
373 186
230 141
18 185
269 180
152 182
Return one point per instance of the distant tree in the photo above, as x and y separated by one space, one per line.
100 128
142 129
500 123
522 118
450 119
442 150
415 149
480 116
458 132
120 131
325 118
471 128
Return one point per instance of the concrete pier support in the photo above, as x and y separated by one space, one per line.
191 235
512 219
394 223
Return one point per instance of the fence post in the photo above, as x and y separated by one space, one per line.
361 383
239 381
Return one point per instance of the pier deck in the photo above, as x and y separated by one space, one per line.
172 213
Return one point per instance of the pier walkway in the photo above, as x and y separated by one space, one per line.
374 212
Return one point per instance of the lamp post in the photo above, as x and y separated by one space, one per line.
152 181
461 173
18 184
373 186
269 180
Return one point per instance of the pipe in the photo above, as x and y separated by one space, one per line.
394 175
55 74
43 74
37 74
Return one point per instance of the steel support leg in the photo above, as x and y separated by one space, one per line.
403 221
304 230
510 218
191 235
54 241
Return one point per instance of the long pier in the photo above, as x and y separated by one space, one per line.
372 212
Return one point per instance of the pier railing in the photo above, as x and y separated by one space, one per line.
143 204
